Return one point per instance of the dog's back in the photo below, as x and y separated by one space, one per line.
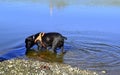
52 39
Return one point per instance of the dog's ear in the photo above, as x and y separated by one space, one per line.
29 39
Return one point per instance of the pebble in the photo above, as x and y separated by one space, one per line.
10 66
103 71
95 73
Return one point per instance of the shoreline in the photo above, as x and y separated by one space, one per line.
34 67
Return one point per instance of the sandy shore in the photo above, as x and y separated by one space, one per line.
34 67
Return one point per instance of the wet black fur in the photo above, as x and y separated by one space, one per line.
53 40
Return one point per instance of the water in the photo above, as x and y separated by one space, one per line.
92 29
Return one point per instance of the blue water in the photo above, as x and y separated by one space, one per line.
92 31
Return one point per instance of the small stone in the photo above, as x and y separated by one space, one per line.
13 71
1 72
20 73
64 73
103 71
43 72
10 66
71 69
58 72
10 62
94 73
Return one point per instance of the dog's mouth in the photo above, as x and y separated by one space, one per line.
28 45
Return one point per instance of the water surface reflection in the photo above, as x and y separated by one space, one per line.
92 28
45 55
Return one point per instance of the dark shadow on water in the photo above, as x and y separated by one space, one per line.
2 59
45 55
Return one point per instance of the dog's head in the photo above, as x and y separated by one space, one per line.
30 41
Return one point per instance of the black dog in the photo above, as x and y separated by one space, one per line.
44 40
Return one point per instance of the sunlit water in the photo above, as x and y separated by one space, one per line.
92 31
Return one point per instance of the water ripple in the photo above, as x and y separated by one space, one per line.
92 53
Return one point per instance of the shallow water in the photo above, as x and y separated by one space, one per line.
92 30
